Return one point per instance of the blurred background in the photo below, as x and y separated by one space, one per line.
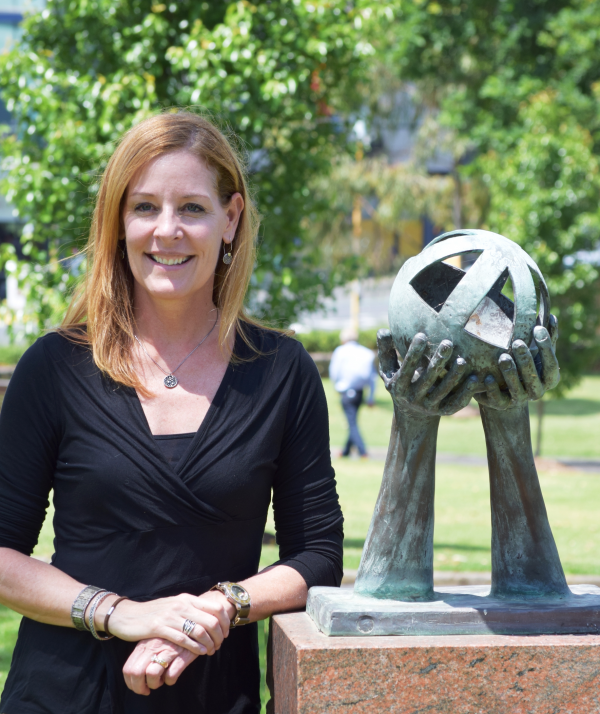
369 128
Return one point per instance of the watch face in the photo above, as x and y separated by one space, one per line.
239 593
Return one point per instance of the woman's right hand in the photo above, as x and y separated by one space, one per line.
164 618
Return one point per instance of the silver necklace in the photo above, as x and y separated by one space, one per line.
171 380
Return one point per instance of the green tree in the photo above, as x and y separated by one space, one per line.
519 83
280 74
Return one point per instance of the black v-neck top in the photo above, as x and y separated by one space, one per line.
141 522
173 446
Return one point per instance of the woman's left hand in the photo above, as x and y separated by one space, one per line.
142 674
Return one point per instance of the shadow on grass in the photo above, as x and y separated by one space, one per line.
354 542
360 542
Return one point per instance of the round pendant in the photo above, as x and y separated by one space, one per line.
170 381
227 258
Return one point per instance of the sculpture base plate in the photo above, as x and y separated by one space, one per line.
461 610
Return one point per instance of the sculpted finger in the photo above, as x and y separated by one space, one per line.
550 367
402 381
448 383
438 362
511 377
527 370
460 398
496 397
388 359
553 329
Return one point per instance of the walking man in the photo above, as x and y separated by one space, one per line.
352 369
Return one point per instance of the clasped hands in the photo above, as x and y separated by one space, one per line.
443 388
157 627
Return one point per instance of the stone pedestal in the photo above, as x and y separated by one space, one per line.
460 610
452 674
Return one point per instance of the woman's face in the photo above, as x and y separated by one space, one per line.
175 227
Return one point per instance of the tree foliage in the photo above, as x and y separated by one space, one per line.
279 74
387 194
519 82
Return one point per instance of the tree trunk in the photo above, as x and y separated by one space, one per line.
457 204
540 417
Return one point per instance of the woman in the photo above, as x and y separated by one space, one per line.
162 417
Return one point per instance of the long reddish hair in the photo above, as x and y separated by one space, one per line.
101 311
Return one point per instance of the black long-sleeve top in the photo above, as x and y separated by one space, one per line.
128 520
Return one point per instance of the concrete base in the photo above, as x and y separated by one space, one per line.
463 610
477 674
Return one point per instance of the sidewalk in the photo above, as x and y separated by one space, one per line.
560 463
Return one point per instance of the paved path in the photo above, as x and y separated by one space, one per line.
562 463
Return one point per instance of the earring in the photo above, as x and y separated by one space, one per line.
122 249
227 257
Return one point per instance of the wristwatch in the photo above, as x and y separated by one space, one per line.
239 597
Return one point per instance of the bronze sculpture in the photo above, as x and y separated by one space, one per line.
472 341
397 560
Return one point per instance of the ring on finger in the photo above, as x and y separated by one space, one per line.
188 627
163 662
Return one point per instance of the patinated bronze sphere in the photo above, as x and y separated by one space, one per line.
483 310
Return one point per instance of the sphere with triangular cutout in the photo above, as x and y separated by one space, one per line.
500 298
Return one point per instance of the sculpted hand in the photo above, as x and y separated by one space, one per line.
419 389
142 675
523 379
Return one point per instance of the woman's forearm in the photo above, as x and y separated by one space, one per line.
276 589
35 589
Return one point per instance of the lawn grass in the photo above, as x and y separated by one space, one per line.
571 425
462 515
9 625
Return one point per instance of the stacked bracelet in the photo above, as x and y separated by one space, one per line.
91 597
80 605
98 598
109 613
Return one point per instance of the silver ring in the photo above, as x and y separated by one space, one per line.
188 627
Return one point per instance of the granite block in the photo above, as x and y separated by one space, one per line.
451 674
455 610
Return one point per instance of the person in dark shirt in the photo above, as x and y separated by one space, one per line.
164 420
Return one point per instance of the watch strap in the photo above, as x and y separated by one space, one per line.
242 609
